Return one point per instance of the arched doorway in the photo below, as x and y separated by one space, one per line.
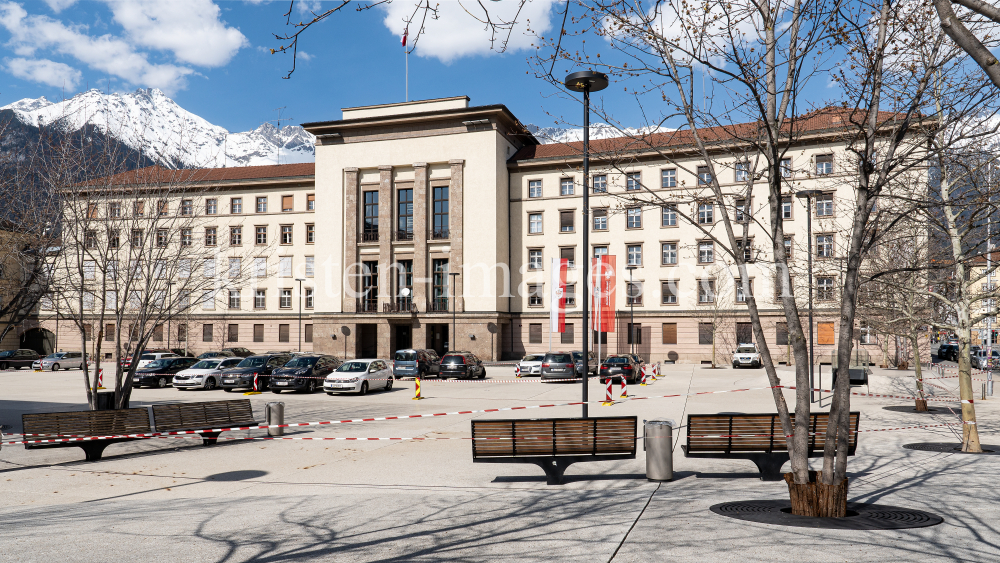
39 339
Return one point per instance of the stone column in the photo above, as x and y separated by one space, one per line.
421 208
384 334
419 334
350 303
386 228
456 229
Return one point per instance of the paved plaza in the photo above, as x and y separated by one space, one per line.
171 499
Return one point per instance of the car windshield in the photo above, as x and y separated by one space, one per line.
158 364
6 353
206 364
253 362
616 361
147 357
55 356
577 356
746 349
353 367
406 356
304 362
533 358
453 360
559 358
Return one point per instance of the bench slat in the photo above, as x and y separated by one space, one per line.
207 414
86 423
755 432
553 437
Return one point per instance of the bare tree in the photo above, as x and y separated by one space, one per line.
958 29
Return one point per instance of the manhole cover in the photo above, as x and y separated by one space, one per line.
859 516
948 448
912 409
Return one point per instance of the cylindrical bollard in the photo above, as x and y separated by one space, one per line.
608 401
274 413
417 396
989 384
658 441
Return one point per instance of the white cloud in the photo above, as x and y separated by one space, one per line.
59 5
304 56
190 29
45 71
457 34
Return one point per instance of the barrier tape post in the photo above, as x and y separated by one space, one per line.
417 395
608 401
645 368
517 370
100 378
256 386
624 394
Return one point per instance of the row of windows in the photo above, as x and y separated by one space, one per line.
161 237
823 165
207 299
161 268
186 207
404 214
207 332
706 333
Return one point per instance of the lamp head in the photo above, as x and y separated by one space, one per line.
587 80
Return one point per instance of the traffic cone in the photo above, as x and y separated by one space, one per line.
608 401
417 397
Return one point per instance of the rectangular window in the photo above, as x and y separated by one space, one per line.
600 251
89 299
284 266
788 247
161 238
111 300
535 333
158 333
824 205
669 251
824 164
744 333
706 214
260 267
404 214
747 250
824 246
786 168
824 289
114 239
90 239
235 265
568 253
742 171
824 334
285 301
258 333
286 203
742 210
286 234
187 207
534 259
600 219
669 333
535 224
184 300
208 300
668 178
566 186
440 204
136 237
633 293
260 235
164 208
634 333
206 333
209 267
534 188
310 299
567 336
706 252
668 291
633 181
601 184
138 208
211 206
786 208
741 296
310 202
236 205
370 229
439 284
187 237
706 291
260 299
633 218
566 222
283 333
182 332
570 295
211 236
535 295
233 334
310 266
307 333
634 253
781 334
235 236
262 204
704 176
112 270
115 209
310 234
706 333
668 216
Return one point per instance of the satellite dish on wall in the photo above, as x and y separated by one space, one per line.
491 327
345 331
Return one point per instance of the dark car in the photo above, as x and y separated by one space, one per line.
209 355
160 373
618 366
558 365
17 359
239 352
948 352
592 364
262 366
126 361
303 373
463 365
415 363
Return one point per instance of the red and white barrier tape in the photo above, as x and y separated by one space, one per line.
881 396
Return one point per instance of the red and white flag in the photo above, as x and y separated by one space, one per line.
557 303
603 306
405 33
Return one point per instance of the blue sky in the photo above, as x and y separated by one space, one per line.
213 60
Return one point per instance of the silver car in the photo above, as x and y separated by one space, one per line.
531 364
359 376
60 360
205 374
980 361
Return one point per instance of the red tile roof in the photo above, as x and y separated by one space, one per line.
158 174
824 119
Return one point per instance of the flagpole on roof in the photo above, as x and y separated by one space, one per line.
406 55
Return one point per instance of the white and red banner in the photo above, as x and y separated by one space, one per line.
603 305
557 303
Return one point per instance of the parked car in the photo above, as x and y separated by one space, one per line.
238 352
205 374
359 376
208 355
980 361
558 365
161 372
149 357
462 365
303 373
746 355
415 363
126 362
59 360
617 366
592 364
17 359
241 376
531 364
948 352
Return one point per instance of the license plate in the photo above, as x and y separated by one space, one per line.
558 369
229 381
135 380
281 383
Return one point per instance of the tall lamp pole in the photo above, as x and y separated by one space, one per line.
454 306
631 306
807 196
300 280
170 285
586 81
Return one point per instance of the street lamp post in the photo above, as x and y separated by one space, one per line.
631 306
300 280
807 196
454 306
170 285
586 81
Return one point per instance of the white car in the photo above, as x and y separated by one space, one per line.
146 359
531 364
359 376
205 374
746 355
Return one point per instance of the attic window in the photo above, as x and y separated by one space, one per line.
835 119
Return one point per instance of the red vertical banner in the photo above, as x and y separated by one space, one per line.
603 306
557 302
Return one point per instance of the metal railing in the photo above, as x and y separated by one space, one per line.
368 305
369 236
439 305
440 234
400 306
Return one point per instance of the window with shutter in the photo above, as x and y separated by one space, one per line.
286 203
670 333
535 333
825 331
258 333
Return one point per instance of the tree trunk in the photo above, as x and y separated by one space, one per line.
970 433
921 400
816 498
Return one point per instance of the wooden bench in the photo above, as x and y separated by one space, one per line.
756 437
203 416
553 443
54 425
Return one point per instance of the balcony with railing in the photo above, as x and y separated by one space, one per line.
439 305
403 235
400 306
369 236
368 305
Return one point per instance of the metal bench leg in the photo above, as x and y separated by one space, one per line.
94 451
209 438
769 465
554 469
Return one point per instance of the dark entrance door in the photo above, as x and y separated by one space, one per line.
40 340
367 341
403 337
437 338
744 333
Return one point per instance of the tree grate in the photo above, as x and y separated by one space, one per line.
859 516
910 409
949 448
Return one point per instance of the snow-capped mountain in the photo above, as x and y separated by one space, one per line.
153 124
554 135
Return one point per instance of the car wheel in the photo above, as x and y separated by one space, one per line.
364 388
161 382
482 375
209 384
55 367
735 365
311 386
388 385
4 366
276 391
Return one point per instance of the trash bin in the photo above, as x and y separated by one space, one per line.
658 442
274 413
105 400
